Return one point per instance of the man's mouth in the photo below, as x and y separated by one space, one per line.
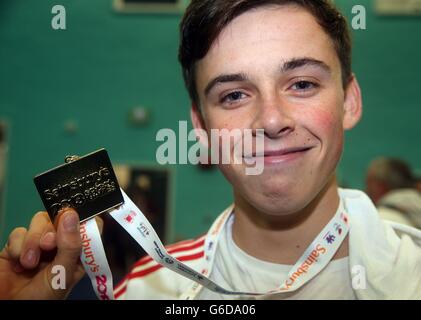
278 155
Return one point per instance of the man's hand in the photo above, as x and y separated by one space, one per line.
27 260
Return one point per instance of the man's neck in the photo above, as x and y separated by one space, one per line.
284 239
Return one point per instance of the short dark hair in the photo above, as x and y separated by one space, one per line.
395 173
205 19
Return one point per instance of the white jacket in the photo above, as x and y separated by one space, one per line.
403 206
390 254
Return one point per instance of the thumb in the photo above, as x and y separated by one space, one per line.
69 246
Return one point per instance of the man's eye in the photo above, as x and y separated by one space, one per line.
232 97
304 85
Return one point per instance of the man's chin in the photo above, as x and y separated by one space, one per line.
283 209
281 204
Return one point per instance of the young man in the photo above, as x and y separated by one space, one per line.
283 66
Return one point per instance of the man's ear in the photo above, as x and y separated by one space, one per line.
353 106
198 124
196 117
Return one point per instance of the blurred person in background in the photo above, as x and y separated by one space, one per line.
391 186
418 184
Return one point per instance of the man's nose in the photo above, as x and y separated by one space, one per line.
274 116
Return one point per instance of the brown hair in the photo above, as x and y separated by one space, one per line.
205 19
395 173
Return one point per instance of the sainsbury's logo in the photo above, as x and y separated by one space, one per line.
305 266
88 254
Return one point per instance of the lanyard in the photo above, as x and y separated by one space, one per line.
315 258
94 260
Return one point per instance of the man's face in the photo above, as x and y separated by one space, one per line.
277 70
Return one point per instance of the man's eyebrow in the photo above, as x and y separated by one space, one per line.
285 67
303 62
236 77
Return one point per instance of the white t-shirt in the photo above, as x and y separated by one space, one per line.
236 270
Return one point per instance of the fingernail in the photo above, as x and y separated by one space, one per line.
71 221
30 256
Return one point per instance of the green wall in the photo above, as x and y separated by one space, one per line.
106 63
387 63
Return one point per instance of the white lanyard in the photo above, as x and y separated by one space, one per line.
315 258
94 260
